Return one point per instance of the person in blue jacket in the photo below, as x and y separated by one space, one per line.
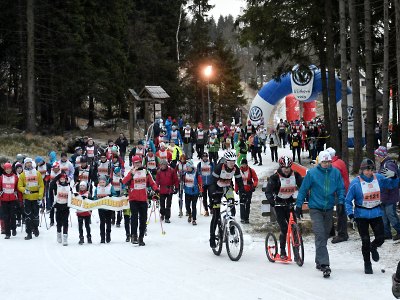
365 193
325 186
191 182
205 169
175 135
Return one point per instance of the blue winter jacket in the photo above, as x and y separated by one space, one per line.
195 189
355 193
389 196
207 180
178 140
325 186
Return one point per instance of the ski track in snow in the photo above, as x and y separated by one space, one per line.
181 265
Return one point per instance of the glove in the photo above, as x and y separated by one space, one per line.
76 194
351 217
388 173
298 211
27 192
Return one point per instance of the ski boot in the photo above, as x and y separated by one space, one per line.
81 240
59 239
65 240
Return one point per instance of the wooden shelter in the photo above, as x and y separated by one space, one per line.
152 97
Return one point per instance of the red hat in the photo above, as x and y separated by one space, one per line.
7 166
136 158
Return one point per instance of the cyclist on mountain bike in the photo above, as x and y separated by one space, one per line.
222 180
281 191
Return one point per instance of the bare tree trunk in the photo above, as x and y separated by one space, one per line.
385 88
370 84
177 33
395 138
333 129
91 112
355 79
343 76
31 122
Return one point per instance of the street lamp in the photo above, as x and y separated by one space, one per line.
207 73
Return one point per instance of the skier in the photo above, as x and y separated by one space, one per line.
205 169
213 147
139 150
54 173
83 173
176 153
20 203
9 199
66 166
31 185
151 161
180 170
74 158
250 182
168 184
191 182
175 135
273 142
122 143
116 179
249 129
281 191
201 139
84 216
188 139
223 174
365 191
91 151
163 153
295 143
102 167
137 180
60 191
241 149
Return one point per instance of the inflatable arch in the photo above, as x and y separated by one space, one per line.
306 85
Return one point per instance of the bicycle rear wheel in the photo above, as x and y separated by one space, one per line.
297 245
218 240
271 246
234 241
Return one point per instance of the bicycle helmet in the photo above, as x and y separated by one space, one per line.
367 164
285 162
230 156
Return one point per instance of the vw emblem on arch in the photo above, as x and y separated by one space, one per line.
255 114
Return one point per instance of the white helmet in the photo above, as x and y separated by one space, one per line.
230 156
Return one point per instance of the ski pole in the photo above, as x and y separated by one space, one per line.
162 229
151 212
45 221
70 220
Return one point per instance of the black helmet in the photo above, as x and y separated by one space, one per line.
367 164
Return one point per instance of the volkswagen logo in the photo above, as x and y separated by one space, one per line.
255 114
301 75
350 114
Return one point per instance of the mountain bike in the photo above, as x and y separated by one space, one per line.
294 242
228 230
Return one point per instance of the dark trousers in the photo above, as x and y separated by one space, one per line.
165 205
363 229
213 157
190 203
127 224
282 138
257 152
62 214
274 153
119 217
9 210
85 220
341 222
216 216
206 189
139 213
282 216
199 150
31 209
294 150
105 221
245 206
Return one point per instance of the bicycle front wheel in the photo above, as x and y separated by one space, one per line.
218 240
271 246
297 245
234 241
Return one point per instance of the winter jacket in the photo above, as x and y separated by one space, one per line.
205 171
9 187
389 195
164 155
84 194
35 188
166 180
138 186
250 179
355 193
274 185
176 136
272 140
122 144
341 166
191 181
213 144
325 185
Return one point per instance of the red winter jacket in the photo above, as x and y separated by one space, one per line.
166 179
12 195
139 194
341 166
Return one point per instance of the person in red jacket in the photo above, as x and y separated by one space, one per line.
168 183
342 234
84 216
250 182
137 181
9 192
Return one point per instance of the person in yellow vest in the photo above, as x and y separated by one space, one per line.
31 185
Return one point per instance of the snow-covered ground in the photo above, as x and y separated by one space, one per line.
181 265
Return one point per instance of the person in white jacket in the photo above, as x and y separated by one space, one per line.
273 142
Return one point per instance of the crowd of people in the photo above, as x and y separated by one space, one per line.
163 165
